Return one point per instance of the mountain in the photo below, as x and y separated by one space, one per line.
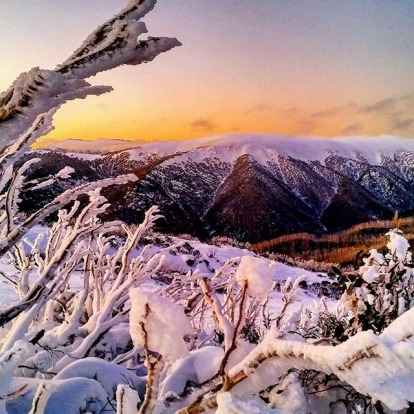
252 191
250 187
102 145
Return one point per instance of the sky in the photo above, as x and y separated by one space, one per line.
291 67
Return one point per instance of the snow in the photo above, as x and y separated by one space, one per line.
372 267
228 404
264 147
380 366
79 147
127 399
168 339
258 273
165 259
107 374
289 395
398 245
66 396
384 370
96 321
193 368
55 331
160 323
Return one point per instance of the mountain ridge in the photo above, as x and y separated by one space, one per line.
252 187
289 145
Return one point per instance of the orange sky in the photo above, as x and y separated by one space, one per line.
295 68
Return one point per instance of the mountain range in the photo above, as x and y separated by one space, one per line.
250 187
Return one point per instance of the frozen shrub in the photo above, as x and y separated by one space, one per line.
227 241
384 288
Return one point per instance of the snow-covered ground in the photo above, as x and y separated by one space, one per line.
166 259
170 255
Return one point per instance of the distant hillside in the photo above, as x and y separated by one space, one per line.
346 247
252 187
98 146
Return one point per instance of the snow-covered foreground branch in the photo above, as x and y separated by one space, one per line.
56 325
41 91
196 339
379 366
26 112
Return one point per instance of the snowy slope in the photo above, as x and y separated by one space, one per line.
261 146
295 183
169 256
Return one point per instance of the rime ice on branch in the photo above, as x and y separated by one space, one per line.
41 91
27 108
26 112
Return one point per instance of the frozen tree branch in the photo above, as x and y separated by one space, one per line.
40 91
54 318
17 233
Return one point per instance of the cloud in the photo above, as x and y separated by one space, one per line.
408 97
101 105
304 127
352 129
293 111
390 115
338 110
400 125
261 107
203 124
386 105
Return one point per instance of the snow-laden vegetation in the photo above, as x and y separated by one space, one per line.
155 328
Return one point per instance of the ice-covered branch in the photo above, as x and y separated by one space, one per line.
112 44
40 288
222 322
65 325
135 10
69 195
378 366
35 93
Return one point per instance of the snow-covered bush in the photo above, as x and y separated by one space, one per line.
228 241
307 361
385 287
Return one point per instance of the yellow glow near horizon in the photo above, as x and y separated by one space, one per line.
278 67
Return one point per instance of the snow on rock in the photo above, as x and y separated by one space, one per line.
108 374
69 396
193 368
259 274
160 322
